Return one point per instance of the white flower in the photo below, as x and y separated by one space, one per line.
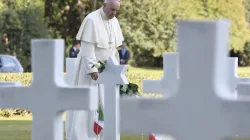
124 88
130 92
97 65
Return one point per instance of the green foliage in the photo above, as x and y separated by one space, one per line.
129 89
235 11
100 65
243 56
20 24
247 10
150 28
7 113
65 17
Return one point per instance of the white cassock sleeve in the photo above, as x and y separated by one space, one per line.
88 56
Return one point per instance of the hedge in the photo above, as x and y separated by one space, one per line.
26 79
134 77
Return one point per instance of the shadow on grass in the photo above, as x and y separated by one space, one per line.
21 130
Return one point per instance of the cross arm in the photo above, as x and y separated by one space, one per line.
243 90
152 86
236 115
113 71
85 98
162 86
244 80
15 97
144 113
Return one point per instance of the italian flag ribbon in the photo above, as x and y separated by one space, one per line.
98 121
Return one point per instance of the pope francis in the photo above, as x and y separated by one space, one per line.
100 35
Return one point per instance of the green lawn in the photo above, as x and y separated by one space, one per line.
15 129
20 129
244 70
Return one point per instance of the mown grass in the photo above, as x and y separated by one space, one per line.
20 129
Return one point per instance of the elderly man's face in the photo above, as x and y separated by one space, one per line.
111 8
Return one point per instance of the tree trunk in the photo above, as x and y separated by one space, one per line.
93 4
48 8
69 19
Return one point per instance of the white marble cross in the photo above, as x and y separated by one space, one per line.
235 79
70 65
169 82
48 96
203 106
112 76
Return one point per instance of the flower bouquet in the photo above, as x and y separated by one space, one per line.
100 65
127 89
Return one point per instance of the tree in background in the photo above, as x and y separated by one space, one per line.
21 21
247 10
149 25
235 11
65 17
244 55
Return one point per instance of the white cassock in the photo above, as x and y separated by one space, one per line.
99 37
